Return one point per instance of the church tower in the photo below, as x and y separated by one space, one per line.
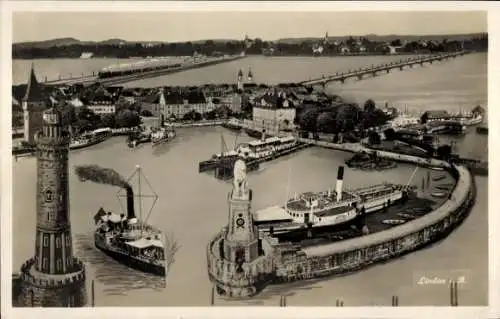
240 80
33 105
250 75
53 277
241 242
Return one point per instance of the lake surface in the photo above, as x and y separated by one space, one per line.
192 207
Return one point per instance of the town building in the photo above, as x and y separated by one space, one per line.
395 49
176 104
273 110
434 115
33 104
102 107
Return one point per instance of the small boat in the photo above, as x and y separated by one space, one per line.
136 138
438 194
23 149
90 138
393 222
437 168
162 135
406 216
482 129
232 124
438 178
443 188
253 133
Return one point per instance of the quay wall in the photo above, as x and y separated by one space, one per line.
291 263
195 124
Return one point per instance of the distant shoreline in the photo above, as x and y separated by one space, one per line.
248 55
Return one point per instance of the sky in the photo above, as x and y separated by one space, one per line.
191 26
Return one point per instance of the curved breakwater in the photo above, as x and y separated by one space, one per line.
347 255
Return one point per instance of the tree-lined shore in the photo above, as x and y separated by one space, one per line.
330 46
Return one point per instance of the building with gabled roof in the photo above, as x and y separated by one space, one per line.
177 103
33 103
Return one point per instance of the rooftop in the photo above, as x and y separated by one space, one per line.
144 243
34 90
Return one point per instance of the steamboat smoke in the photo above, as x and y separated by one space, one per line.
101 175
107 176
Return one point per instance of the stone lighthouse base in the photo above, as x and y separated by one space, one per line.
35 289
229 279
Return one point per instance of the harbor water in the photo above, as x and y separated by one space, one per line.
192 207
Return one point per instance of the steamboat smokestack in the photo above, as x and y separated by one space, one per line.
340 180
130 205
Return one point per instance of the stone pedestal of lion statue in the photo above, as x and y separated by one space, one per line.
241 242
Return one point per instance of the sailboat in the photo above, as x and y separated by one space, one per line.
129 240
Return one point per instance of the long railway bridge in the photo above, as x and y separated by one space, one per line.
386 67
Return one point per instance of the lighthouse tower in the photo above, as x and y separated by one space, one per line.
53 277
240 80
241 241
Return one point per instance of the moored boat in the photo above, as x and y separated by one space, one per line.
439 178
90 138
265 147
137 137
232 124
438 194
162 135
482 129
328 208
394 222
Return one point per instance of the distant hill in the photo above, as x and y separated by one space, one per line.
49 43
72 41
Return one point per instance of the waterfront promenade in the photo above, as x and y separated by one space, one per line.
387 67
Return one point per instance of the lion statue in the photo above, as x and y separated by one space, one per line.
240 178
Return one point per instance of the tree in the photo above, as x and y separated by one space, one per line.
390 134
374 138
127 118
369 106
347 117
146 113
396 43
86 119
308 119
326 123
372 119
68 115
108 120
192 116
